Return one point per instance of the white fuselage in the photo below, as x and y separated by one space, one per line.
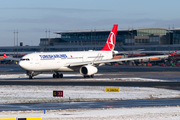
57 61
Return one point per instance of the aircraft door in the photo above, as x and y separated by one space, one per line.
37 61
58 60
31 61
84 58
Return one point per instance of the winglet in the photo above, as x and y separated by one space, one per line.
5 55
172 53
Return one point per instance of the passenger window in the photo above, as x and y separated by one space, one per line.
27 59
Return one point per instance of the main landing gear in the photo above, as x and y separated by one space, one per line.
57 75
88 76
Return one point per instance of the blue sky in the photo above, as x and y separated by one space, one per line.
32 18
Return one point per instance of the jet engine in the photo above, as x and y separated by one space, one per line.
88 70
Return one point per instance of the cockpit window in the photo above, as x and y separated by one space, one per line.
24 59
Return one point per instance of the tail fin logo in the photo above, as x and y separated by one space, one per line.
110 42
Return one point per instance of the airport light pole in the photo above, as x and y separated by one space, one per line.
45 41
169 38
132 40
173 40
95 39
49 39
17 43
14 41
169 41
91 38
128 40
173 46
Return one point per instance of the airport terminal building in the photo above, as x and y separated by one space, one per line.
149 39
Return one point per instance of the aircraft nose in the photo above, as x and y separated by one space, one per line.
22 65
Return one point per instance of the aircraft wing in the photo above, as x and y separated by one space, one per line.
117 60
10 58
113 60
118 52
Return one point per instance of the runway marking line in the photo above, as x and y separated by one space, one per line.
31 118
35 118
7 118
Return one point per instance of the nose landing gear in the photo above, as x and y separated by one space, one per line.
31 75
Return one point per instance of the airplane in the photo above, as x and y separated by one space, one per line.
86 62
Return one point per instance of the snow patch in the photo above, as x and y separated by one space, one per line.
39 94
71 76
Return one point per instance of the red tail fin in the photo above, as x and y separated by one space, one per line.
5 55
110 44
172 53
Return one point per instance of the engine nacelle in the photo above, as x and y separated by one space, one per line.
88 70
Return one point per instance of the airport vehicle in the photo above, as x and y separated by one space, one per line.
86 62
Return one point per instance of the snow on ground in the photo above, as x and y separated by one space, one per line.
145 113
71 76
38 94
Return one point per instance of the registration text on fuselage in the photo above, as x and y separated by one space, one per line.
53 56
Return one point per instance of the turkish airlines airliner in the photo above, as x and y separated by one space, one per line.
86 62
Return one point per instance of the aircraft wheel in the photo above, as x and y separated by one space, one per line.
54 75
58 75
88 76
92 76
30 77
61 75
